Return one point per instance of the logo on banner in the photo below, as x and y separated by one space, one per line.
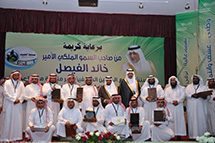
20 58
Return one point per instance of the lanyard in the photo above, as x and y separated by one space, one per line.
51 84
14 86
96 110
133 110
70 88
196 88
115 109
40 115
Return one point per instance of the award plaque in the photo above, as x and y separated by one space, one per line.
152 94
70 130
134 120
79 93
39 129
118 120
55 94
90 114
204 94
158 117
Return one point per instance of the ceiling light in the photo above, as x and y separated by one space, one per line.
141 6
45 2
187 6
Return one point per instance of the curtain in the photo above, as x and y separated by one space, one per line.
13 20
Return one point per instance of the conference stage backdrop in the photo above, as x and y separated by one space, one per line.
83 55
196 42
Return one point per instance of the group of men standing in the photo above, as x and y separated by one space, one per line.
108 102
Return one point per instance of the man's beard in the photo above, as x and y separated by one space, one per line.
151 83
89 84
173 85
196 83
212 86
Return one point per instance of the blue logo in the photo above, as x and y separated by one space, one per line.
20 58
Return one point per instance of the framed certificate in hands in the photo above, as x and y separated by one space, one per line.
118 120
152 94
70 130
79 93
55 94
39 129
90 114
134 120
158 117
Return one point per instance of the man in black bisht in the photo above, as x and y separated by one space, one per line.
129 87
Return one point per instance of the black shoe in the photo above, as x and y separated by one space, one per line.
148 140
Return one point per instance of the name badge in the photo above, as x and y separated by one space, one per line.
15 95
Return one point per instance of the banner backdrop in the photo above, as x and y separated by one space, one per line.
186 43
96 56
207 38
195 52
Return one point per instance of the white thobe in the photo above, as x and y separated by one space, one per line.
211 114
88 94
98 125
31 90
12 113
150 106
196 112
1 105
68 91
74 116
41 118
145 132
178 94
54 106
111 112
162 132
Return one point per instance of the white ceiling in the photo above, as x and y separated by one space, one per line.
153 7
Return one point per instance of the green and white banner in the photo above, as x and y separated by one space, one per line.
207 38
196 52
186 43
83 55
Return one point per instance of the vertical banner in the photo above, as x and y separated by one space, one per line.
83 55
186 44
207 38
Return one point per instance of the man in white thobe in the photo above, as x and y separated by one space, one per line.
174 94
69 89
144 126
40 117
196 108
69 114
96 123
33 90
107 90
1 101
211 106
89 91
116 109
12 112
151 82
161 131
48 87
